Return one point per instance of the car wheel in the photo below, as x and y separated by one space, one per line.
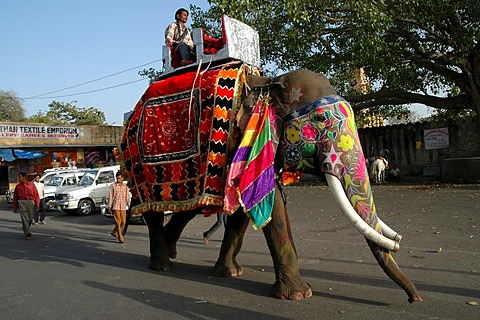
85 207
47 204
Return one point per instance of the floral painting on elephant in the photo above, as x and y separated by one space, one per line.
175 144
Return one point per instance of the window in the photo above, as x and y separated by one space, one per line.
106 177
71 181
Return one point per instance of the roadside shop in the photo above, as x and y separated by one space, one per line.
33 148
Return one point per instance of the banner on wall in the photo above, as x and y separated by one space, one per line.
436 138
16 131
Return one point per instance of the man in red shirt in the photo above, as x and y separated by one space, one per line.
25 200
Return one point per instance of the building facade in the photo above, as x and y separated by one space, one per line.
34 147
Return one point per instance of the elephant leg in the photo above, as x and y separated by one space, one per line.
159 260
288 282
174 228
235 228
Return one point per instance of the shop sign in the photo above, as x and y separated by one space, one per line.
436 138
16 131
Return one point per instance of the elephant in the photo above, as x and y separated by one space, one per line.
312 130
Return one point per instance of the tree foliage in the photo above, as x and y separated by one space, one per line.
11 107
68 113
151 73
412 51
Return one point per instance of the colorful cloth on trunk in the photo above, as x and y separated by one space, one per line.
251 177
175 144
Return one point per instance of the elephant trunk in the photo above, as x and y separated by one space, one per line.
391 269
379 244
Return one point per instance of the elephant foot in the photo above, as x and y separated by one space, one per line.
160 265
294 291
227 269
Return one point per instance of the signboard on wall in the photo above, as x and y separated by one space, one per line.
16 131
436 138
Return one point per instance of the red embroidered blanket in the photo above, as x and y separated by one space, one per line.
175 144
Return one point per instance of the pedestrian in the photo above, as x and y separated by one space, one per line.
221 218
395 172
25 200
178 37
40 211
118 201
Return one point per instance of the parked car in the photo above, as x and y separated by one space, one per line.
48 174
87 196
61 182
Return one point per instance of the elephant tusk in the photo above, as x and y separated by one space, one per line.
363 227
389 232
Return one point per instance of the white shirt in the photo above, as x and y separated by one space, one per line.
40 188
173 32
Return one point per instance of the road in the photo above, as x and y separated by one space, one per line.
73 268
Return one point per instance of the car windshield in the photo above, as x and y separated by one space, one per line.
55 181
88 178
46 177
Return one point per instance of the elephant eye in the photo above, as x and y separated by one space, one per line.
319 117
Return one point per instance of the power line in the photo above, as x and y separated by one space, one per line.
91 91
87 82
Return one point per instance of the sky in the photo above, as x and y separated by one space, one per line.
50 45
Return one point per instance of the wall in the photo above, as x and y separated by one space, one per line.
406 145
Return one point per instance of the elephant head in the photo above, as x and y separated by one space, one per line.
320 137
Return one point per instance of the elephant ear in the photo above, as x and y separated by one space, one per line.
243 115
256 86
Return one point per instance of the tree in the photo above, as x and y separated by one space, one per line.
412 51
151 73
69 113
11 107
40 117
407 118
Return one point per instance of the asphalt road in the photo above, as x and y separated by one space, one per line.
73 268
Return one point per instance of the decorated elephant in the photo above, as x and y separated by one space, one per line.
226 139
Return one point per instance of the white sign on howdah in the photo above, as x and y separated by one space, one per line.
39 132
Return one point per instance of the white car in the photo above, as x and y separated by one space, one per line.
60 182
89 193
50 173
